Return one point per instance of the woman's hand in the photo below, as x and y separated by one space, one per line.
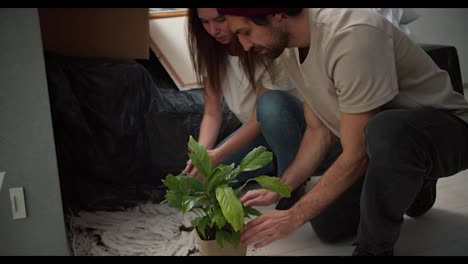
191 170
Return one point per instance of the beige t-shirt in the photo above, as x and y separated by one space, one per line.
240 95
359 61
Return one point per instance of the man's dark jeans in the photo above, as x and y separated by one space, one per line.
404 147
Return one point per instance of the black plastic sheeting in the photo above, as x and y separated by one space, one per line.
120 126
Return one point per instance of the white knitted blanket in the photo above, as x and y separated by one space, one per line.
147 229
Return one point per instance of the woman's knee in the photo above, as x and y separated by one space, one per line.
270 103
279 108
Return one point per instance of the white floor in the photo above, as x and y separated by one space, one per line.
443 231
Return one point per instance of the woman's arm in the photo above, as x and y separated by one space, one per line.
212 116
244 135
210 125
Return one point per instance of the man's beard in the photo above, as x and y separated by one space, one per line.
278 48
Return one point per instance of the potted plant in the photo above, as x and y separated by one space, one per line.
219 215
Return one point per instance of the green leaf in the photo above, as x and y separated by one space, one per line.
196 221
182 184
251 211
173 183
256 159
230 206
182 191
220 236
174 199
190 183
199 157
218 218
274 184
189 202
233 238
201 223
233 175
219 210
218 177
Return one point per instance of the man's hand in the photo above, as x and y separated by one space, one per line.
260 197
269 227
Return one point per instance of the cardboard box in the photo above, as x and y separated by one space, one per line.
96 32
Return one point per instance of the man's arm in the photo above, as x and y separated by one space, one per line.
349 166
315 143
345 171
365 79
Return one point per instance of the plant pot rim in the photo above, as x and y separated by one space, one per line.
211 248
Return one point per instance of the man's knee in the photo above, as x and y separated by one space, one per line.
335 234
388 132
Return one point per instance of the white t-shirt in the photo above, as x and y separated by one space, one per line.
358 61
240 95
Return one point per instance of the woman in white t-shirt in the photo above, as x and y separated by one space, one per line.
275 120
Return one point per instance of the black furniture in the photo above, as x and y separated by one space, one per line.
446 57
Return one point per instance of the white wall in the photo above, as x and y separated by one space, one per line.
169 42
27 149
448 26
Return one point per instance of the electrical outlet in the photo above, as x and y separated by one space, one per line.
18 205
2 176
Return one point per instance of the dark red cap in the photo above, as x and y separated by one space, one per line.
250 12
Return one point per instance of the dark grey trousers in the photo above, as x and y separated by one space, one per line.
404 147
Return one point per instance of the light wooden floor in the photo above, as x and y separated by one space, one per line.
443 231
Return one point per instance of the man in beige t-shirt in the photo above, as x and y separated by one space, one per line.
400 124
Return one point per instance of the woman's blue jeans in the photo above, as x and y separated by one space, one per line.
281 118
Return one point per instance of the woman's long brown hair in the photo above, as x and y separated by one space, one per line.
210 56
